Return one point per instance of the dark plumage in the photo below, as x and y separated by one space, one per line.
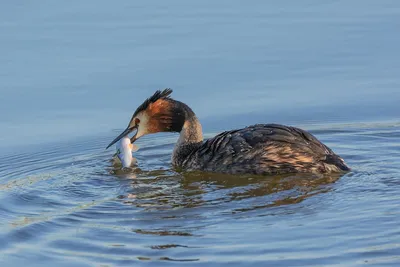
264 149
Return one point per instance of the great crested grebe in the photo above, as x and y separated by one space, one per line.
256 149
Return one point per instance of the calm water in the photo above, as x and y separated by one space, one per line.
73 72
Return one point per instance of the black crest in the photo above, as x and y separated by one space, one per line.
157 95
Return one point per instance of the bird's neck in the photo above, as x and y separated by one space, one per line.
191 137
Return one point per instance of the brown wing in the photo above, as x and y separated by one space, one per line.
264 149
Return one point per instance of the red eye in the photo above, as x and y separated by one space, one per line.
137 121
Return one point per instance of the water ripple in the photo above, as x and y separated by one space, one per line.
79 207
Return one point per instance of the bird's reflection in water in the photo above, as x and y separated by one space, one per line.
167 189
173 203
255 192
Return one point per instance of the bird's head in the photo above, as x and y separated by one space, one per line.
158 113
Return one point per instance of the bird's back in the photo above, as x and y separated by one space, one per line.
264 149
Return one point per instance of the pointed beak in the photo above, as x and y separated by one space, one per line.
124 133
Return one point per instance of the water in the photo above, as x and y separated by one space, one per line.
73 72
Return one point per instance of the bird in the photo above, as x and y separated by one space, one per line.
259 149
